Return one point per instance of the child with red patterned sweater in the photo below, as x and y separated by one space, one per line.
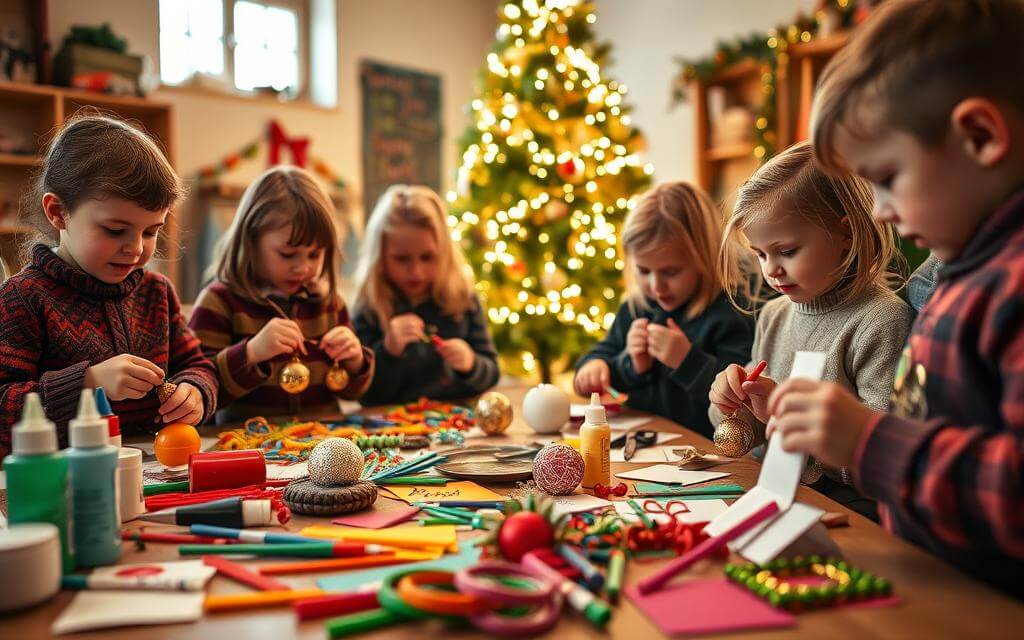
925 104
84 312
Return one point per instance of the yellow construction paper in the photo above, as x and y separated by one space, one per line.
437 539
465 490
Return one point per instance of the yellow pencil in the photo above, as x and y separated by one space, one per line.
257 599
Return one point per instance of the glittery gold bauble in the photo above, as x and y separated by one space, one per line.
493 412
165 390
294 376
336 378
734 437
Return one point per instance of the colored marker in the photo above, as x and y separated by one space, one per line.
228 512
593 608
639 511
591 575
249 535
756 373
240 574
170 538
235 601
334 605
165 487
289 550
616 567
470 504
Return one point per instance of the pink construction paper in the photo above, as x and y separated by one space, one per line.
699 607
378 519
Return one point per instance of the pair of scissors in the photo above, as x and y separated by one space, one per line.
633 440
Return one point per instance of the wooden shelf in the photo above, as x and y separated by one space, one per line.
743 70
820 47
17 160
730 151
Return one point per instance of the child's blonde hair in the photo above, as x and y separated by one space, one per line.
791 183
679 214
282 196
420 207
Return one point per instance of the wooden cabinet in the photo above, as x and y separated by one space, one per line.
33 113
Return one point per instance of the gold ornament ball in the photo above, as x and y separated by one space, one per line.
734 437
493 413
336 379
294 376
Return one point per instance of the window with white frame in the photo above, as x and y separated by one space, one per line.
250 44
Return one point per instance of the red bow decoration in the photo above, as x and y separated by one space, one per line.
278 139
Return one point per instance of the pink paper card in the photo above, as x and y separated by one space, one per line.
378 519
699 607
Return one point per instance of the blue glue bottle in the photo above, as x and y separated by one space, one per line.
37 477
93 464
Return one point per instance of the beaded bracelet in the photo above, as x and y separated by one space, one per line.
469 581
438 601
844 582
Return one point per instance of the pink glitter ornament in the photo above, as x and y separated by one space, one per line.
558 469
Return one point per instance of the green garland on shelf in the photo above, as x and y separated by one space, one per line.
767 49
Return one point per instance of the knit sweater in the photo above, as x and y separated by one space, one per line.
861 338
419 370
225 322
56 321
720 336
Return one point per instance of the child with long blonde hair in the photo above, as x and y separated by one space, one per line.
819 247
415 304
275 296
85 312
677 327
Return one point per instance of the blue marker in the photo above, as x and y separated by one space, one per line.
248 535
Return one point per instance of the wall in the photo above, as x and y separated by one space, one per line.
648 35
449 37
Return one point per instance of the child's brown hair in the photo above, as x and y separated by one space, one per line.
282 196
95 157
791 183
915 60
680 214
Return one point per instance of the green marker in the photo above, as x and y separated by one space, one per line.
425 481
362 621
639 511
165 487
616 567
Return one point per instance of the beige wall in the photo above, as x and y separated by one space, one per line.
648 35
448 37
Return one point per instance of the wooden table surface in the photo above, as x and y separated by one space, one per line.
938 601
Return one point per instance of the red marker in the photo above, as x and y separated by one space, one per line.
756 373
436 341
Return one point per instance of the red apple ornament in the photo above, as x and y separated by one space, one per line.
522 532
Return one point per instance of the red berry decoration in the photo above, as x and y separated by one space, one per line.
522 532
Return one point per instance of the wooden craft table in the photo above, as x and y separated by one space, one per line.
938 601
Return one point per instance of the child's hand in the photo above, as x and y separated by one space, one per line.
403 330
124 376
637 345
819 418
729 392
593 377
457 353
184 405
342 345
668 344
277 337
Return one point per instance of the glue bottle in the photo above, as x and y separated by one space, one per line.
595 444
93 464
113 422
37 477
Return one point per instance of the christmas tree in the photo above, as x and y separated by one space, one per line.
549 170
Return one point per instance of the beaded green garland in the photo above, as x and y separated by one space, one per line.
845 583
366 443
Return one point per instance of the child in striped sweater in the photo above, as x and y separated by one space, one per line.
275 297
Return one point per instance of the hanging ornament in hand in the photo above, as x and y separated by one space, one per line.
165 390
734 437
493 412
572 170
294 377
336 378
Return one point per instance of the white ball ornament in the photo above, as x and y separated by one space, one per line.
546 408
335 462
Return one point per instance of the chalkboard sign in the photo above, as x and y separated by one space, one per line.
401 129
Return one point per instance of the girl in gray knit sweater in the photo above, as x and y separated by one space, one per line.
819 247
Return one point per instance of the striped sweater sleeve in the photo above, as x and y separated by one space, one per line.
359 381
211 322
186 360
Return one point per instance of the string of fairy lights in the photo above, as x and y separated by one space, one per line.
568 158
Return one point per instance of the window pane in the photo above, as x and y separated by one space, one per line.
249 23
191 38
266 51
250 67
285 33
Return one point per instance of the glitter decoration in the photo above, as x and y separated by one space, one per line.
734 437
558 469
335 462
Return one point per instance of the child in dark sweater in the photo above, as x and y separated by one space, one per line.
84 312
415 305
677 329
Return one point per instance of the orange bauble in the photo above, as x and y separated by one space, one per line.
175 443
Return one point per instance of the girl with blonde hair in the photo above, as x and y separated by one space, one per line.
275 296
819 247
415 304
676 328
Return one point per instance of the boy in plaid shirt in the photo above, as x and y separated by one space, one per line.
927 105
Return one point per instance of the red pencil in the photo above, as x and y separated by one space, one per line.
240 574
756 373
